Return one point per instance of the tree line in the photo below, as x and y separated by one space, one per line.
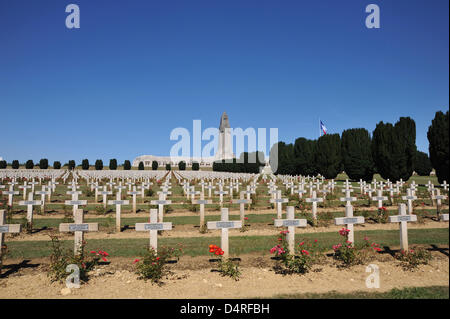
391 151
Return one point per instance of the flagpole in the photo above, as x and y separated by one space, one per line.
320 129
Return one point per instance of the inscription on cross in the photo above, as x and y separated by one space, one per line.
78 228
402 218
291 223
224 224
153 228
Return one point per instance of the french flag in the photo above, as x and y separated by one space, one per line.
323 128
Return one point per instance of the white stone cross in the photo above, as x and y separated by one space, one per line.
438 197
241 201
279 202
380 198
153 228
30 203
349 220
161 202
210 187
43 192
224 224
290 222
11 192
202 202
403 219
24 187
74 201
409 197
105 193
221 193
118 202
6 228
134 193
347 199
445 185
314 200
78 228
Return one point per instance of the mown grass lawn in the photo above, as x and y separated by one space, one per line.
432 292
198 246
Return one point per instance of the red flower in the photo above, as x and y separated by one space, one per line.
135 261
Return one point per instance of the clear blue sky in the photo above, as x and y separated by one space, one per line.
135 70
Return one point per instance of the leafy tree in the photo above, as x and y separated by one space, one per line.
195 166
394 149
141 166
304 153
56 165
182 165
15 164
113 164
422 164
127 165
98 165
328 155
357 154
43 163
71 165
85 164
154 165
3 164
168 167
286 158
29 164
439 145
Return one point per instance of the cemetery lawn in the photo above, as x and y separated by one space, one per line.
198 246
432 292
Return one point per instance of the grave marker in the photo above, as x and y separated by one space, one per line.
78 228
224 224
403 219
290 222
153 228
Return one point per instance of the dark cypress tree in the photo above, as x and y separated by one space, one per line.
286 160
29 164
43 163
394 149
328 155
182 165
357 154
168 167
56 165
141 166
154 165
15 164
113 164
439 145
195 166
3 164
85 164
422 164
98 165
71 165
127 165
304 153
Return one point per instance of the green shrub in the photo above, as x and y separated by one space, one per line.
413 258
153 266
15 164
60 259
300 261
226 266
29 164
